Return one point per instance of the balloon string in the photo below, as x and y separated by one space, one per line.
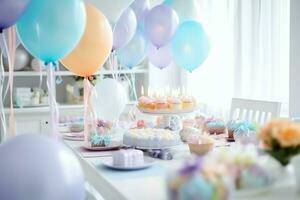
133 86
41 76
2 116
89 113
52 100
10 47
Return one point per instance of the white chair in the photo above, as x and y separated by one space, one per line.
253 110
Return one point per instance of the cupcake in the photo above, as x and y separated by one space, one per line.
146 103
200 144
142 101
187 131
215 126
161 104
242 131
231 126
150 104
175 103
187 102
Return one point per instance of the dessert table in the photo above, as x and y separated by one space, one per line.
151 183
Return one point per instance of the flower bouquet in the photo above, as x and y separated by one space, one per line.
281 139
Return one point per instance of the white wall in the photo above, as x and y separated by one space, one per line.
295 58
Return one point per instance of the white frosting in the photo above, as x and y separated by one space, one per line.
128 158
151 138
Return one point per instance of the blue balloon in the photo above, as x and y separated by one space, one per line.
50 29
186 10
190 45
135 51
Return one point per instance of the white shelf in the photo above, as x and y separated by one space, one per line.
68 73
40 109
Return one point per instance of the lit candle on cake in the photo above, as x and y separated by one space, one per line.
142 91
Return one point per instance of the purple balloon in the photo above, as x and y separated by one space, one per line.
124 29
11 11
38 167
141 9
160 57
161 23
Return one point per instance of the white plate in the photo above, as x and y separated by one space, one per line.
148 162
101 148
168 111
73 138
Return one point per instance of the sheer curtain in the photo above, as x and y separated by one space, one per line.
249 55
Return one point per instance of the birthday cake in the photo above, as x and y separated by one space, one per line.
151 138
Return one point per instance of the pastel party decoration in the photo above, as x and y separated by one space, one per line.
49 30
161 57
109 100
160 24
134 52
141 9
186 10
111 9
94 47
190 45
124 29
196 188
37 167
11 11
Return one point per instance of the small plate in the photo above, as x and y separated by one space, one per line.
148 162
73 138
114 147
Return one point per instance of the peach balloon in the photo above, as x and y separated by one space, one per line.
94 47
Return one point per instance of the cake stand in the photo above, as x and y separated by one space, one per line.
168 114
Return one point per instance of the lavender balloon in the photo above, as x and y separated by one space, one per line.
160 24
37 167
161 57
141 9
11 11
124 29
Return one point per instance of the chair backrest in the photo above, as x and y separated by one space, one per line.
253 110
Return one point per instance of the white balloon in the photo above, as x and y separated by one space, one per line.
109 100
22 59
112 9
